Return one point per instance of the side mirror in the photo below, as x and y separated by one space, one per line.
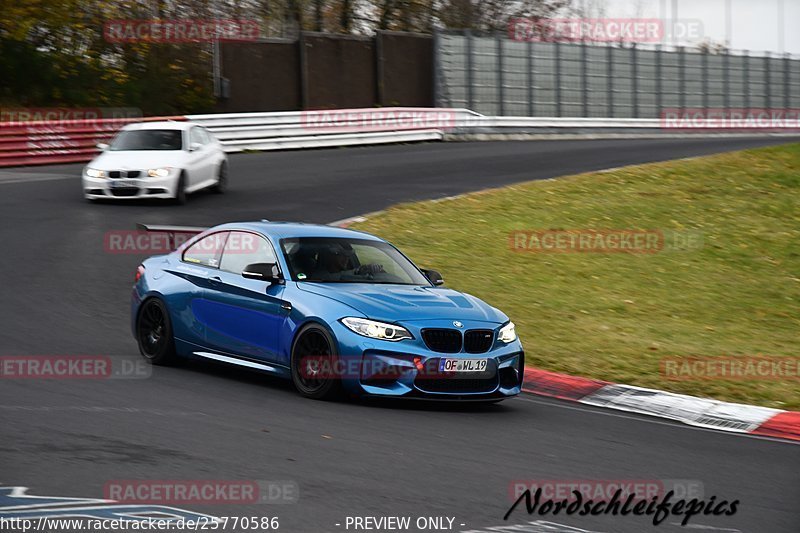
434 277
268 272
102 146
195 146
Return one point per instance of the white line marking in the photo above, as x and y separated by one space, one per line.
21 493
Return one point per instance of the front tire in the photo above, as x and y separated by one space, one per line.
180 190
222 179
314 352
154 333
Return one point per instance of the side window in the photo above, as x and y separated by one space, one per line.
244 249
205 135
207 251
195 136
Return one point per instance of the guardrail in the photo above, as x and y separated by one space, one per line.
40 143
570 123
46 143
325 128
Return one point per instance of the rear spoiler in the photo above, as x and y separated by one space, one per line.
177 235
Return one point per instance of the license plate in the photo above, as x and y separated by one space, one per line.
113 183
462 365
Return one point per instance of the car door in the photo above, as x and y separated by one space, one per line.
198 263
201 158
247 314
215 149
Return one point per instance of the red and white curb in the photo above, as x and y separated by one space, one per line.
701 412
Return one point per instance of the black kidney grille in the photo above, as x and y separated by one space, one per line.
442 340
478 340
116 174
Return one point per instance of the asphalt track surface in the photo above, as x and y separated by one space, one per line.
62 294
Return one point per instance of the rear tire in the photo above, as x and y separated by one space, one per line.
314 341
154 333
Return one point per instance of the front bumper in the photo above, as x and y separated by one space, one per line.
130 188
409 369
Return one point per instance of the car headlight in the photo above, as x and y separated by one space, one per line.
507 333
158 172
95 173
376 330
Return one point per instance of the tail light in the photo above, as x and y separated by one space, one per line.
139 273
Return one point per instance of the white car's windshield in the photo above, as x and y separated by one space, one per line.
337 260
148 140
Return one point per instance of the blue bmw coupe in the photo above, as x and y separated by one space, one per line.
334 310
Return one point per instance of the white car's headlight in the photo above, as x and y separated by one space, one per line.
95 173
376 330
159 172
507 333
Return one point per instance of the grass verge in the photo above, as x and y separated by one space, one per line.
725 284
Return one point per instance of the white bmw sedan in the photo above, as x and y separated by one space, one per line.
157 160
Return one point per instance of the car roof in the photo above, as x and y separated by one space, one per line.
290 230
160 125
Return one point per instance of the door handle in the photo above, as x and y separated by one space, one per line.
286 306
215 280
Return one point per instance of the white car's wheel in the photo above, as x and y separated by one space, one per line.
222 178
180 190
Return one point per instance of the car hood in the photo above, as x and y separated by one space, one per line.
137 159
393 303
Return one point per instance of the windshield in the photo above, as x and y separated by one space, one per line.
337 260
148 140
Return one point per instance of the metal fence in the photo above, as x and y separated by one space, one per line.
495 75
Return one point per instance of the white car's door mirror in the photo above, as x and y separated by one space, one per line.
102 146
195 146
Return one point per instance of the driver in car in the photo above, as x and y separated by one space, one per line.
339 260
331 261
